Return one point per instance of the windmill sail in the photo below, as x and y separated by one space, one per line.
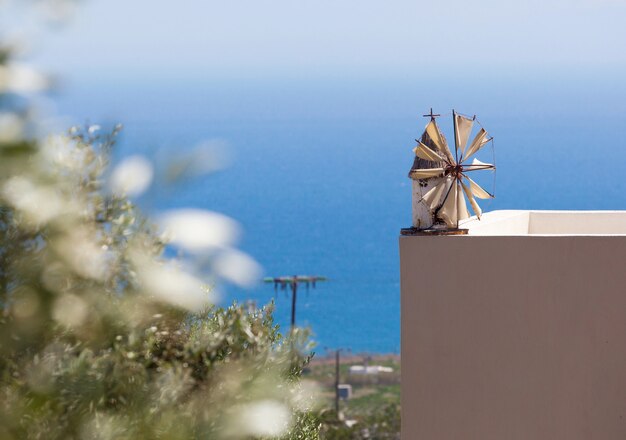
437 137
477 211
433 197
448 211
426 173
427 154
461 207
478 191
479 141
462 129
482 165
423 152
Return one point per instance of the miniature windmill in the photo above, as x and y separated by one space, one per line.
440 180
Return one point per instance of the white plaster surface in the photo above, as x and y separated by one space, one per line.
422 215
514 222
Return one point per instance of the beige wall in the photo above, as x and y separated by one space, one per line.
513 337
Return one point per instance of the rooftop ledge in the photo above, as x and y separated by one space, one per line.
547 223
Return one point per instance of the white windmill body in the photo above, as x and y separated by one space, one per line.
440 181
423 216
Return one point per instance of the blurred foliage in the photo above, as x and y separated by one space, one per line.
101 335
88 352
380 424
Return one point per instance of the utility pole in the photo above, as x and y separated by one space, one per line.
293 282
337 375
337 382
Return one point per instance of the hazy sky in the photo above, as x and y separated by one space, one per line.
339 37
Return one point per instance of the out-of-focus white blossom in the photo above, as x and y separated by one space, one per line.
54 276
132 176
198 230
26 303
305 395
103 426
38 203
40 373
170 284
11 127
79 248
237 267
18 78
171 387
264 418
94 128
62 151
70 310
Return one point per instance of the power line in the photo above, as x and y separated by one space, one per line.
293 282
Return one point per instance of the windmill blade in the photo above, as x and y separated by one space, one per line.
477 211
426 173
482 164
448 212
433 196
461 207
462 129
478 165
423 152
477 190
479 141
440 142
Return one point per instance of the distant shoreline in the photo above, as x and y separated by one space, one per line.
351 358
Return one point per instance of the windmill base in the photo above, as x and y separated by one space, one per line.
432 231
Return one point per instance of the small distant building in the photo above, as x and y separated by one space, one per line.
369 369
345 391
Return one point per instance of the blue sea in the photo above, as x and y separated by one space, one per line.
318 177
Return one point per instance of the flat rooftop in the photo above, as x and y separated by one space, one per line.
547 223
